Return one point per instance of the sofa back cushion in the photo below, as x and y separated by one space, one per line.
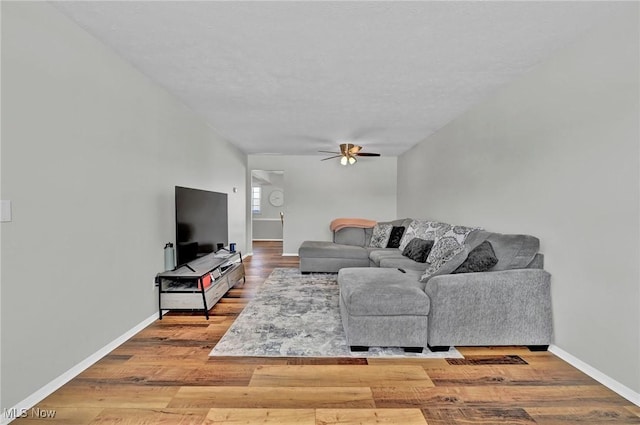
513 251
353 236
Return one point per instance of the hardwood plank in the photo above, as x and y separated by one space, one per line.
261 416
60 415
129 396
581 415
634 409
409 361
496 396
482 415
151 417
163 374
494 351
270 397
369 416
508 359
340 376
505 375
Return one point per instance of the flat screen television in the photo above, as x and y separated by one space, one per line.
201 223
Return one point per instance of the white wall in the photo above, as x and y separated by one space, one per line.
317 191
556 155
91 151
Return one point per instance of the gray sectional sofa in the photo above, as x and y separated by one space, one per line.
387 299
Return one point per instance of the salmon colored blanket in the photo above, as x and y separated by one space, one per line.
341 223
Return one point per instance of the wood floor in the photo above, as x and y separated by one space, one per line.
163 375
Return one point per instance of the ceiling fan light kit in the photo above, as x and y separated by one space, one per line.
348 153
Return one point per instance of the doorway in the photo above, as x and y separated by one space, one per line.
267 206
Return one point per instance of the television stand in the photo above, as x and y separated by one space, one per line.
199 284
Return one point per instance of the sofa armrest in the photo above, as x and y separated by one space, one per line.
510 307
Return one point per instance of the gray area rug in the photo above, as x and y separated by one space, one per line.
296 315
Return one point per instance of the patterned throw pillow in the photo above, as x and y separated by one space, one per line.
380 236
395 237
445 248
423 229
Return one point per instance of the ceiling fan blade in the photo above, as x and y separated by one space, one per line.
366 154
354 149
331 157
337 153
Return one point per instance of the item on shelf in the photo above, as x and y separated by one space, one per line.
169 257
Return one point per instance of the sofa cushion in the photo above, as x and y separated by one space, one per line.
423 229
380 235
382 292
322 249
377 254
480 259
513 251
418 249
395 237
402 262
451 249
351 236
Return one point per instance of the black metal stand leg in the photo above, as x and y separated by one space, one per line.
160 300
244 277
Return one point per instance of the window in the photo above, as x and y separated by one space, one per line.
256 195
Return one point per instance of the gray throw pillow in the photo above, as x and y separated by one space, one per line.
481 259
418 249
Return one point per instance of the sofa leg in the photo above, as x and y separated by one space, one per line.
412 349
437 348
359 348
538 347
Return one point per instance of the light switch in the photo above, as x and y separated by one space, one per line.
5 211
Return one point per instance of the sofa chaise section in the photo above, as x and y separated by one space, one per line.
350 248
330 257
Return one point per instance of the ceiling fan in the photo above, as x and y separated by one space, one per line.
348 153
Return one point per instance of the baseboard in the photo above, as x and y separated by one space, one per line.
288 254
26 404
605 380
268 240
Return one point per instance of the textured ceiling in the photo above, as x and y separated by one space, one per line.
298 77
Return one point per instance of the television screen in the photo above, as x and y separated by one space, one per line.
201 223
